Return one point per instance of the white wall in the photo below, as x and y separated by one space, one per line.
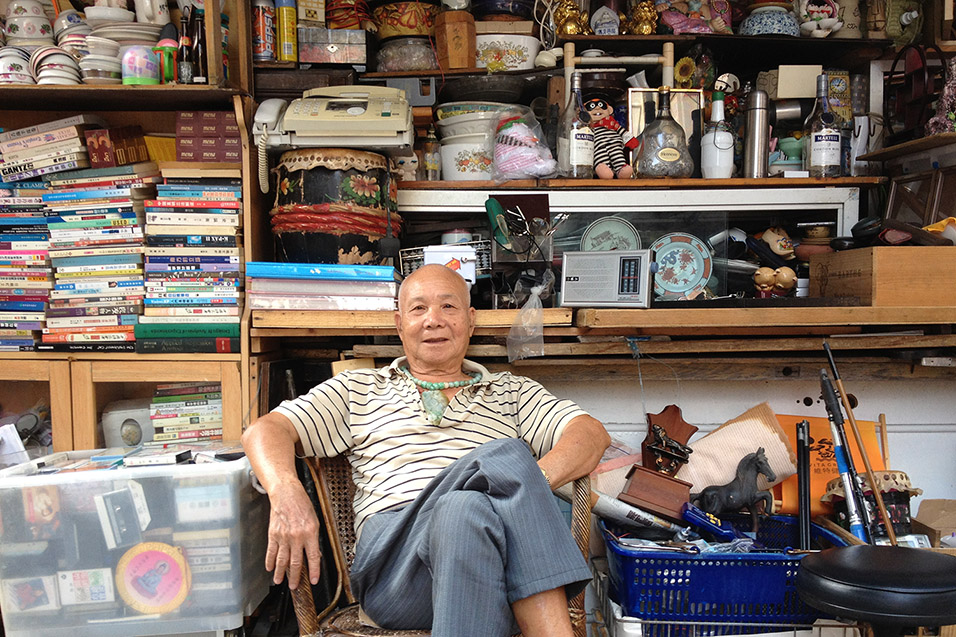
920 414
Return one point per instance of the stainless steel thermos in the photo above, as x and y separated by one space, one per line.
757 135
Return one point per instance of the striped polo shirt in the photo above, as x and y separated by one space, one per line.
377 417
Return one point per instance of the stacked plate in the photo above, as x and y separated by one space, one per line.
97 16
53 65
15 66
128 34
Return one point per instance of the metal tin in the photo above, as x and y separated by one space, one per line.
757 136
286 36
263 30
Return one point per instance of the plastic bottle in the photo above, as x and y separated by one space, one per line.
717 145
286 38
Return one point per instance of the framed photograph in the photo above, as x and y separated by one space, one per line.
944 194
613 278
687 109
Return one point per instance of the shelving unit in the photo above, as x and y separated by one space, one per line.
80 384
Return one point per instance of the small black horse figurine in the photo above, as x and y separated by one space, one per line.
742 491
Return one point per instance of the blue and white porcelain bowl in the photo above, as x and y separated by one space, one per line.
770 21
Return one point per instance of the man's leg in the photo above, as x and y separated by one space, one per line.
535 546
544 614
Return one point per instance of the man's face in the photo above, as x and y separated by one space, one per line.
435 319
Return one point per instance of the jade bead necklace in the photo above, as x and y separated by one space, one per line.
433 399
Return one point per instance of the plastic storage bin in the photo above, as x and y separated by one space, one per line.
719 588
154 550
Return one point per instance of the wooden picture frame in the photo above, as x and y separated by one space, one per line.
911 198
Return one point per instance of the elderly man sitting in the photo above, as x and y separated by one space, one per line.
453 467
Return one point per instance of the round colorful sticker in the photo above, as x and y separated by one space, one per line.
153 577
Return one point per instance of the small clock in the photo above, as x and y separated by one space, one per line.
838 84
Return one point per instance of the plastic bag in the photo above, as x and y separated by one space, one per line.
526 336
519 148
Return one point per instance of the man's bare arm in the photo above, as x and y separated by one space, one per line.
577 452
270 444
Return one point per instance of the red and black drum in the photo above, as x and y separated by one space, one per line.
333 205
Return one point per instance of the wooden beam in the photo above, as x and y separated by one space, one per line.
731 346
720 318
713 369
342 320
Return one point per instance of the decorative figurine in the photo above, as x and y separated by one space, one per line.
668 453
779 241
819 18
570 20
742 491
642 21
610 140
770 282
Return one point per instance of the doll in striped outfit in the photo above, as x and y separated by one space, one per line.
610 140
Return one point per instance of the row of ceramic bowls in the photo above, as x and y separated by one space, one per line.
57 65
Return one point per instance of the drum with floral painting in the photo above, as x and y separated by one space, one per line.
333 205
403 19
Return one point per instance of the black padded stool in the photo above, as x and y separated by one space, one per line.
888 587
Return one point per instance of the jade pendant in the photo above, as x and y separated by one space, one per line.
434 402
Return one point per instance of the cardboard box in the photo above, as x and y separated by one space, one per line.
109 147
935 519
887 276
311 11
797 80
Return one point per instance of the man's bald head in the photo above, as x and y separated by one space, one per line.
428 275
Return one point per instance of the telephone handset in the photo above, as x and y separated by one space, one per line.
376 117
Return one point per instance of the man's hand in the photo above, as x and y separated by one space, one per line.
293 532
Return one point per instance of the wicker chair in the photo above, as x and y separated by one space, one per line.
333 479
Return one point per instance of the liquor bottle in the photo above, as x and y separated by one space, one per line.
431 156
575 138
664 151
717 145
184 55
822 154
200 62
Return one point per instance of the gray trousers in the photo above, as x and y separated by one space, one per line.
484 533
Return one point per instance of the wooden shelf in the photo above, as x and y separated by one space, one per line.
644 184
130 98
718 319
342 322
908 148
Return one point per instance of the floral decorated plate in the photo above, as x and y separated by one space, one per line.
610 233
683 265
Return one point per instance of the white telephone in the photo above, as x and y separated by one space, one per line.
373 117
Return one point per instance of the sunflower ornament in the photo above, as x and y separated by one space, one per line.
684 72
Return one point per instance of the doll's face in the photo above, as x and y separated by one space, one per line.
598 109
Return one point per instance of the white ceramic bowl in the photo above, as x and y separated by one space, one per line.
14 64
506 51
451 109
479 122
24 8
102 46
467 157
67 18
29 27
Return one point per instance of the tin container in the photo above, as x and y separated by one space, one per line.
286 36
263 31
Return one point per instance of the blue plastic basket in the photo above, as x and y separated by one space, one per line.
729 588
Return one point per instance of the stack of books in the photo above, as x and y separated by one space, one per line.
26 276
96 244
320 286
50 147
186 412
193 266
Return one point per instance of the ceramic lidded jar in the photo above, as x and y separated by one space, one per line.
770 21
